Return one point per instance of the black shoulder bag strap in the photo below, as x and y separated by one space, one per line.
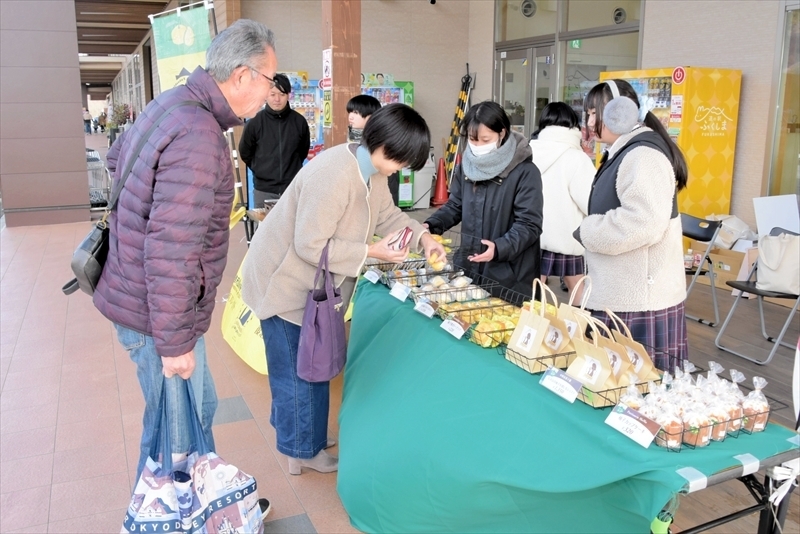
72 285
135 154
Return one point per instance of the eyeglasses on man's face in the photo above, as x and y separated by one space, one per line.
270 80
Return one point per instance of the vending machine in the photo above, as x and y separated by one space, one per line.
306 99
699 107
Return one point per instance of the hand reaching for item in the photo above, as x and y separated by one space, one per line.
430 245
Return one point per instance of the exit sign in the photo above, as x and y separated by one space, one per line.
576 43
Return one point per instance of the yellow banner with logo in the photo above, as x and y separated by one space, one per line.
699 107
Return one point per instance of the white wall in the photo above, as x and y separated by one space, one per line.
742 34
297 25
480 51
424 43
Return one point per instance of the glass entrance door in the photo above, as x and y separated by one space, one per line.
513 88
543 83
524 81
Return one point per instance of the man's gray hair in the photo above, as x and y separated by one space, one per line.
238 44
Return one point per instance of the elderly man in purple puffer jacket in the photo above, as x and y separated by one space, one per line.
169 232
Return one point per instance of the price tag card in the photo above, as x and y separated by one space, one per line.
400 291
426 308
372 274
455 327
633 424
561 384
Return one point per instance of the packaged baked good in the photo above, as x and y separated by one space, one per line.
437 281
632 396
651 411
714 370
696 426
477 293
755 407
735 414
671 433
720 419
460 281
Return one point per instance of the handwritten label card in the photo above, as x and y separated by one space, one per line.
425 307
373 275
455 327
400 291
633 424
561 384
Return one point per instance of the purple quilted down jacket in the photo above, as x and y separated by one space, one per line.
169 231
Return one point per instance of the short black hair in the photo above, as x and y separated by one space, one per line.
282 83
403 134
488 113
364 105
558 114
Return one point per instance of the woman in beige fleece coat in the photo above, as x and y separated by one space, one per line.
340 198
632 234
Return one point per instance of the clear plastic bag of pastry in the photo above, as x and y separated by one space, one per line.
755 407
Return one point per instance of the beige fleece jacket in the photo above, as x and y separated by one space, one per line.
634 253
328 199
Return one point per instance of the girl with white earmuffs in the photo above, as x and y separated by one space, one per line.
632 234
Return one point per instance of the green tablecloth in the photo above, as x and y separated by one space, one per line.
440 435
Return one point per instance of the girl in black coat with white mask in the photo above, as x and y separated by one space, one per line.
496 195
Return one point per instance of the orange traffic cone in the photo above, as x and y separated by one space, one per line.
440 196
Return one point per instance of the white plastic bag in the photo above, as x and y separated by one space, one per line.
733 228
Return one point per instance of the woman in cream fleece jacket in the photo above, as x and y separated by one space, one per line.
632 234
341 198
567 174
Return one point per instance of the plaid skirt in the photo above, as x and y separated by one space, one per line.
662 332
557 264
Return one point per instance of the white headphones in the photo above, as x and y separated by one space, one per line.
621 114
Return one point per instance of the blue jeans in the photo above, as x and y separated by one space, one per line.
299 408
151 378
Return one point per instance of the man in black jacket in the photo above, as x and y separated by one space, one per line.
274 144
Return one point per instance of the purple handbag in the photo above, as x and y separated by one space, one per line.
322 350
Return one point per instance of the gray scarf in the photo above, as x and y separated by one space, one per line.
489 166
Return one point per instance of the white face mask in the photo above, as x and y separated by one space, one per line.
481 150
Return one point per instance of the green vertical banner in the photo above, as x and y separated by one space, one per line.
181 39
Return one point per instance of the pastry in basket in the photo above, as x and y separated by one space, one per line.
755 407
720 418
437 281
696 427
460 281
671 432
735 414
486 333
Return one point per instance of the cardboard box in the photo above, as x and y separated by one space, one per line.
727 263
